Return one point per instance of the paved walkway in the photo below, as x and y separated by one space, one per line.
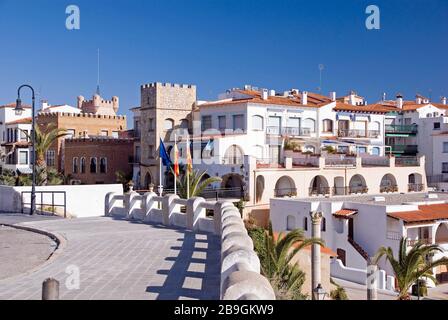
121 260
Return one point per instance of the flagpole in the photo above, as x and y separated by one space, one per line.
160 175
188 169
175 175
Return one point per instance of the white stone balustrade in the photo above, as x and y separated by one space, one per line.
240 265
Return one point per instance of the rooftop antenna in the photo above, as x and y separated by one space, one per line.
321 68
98 73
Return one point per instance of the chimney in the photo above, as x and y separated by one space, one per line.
444 100
272 93
418 99
399 101
352 98
264 94
333 96
304 97
45 104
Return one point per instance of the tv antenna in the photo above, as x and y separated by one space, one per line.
98 73
321 68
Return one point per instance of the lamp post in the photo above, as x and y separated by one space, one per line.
18 110
319 293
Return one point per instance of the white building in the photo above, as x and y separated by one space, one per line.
14 152
356 227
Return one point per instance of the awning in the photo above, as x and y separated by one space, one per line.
345 213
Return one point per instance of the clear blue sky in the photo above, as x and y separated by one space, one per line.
221 44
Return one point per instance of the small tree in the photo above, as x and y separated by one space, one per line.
412 264
197 182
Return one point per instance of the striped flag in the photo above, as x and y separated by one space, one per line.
176 160
189 160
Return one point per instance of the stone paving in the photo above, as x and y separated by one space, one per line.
119 259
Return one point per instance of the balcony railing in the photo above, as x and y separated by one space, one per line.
416 187
377 161
285 192
344 161
319 191
354 133
288 131
269 163
232 160
399 128
340 191
403 149
407 162
385 189
422 240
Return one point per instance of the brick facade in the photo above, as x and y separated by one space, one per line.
116 152
83 124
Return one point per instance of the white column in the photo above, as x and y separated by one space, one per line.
316 218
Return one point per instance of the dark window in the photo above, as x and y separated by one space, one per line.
83 165
324 225
206 123
103 165
75 165
92 165
305 224
436 125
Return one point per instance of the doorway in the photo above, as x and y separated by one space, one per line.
350 228
341 255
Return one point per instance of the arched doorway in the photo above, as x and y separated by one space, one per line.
415 182
388 184
148 180
442 234
357 184
285 186
233 183
319 186
259 188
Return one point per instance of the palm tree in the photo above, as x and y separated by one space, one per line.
276 258
197 182
124 178
411 265
44 140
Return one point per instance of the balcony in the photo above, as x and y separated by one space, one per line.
407 162
353 133
288 131
388 189
403 149
285 192
319 191
416 187
233 161
398 129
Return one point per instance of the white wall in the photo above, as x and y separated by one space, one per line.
82 200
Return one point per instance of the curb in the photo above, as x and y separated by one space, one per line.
61 243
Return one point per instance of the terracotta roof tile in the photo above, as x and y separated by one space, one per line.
21 121
424 213
345 213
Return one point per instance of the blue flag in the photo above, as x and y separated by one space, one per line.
164 155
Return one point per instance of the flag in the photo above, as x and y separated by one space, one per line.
176 160
189 160
209 146
164 155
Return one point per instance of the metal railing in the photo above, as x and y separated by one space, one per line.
210 193
407 162
402 148
375 161
393 235
344 161
288 131
416 187
232 160
340 191
355 133
319 191
422 240
43 204
399 128
285 192
393 188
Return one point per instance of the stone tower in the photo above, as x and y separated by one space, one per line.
98 105
164 107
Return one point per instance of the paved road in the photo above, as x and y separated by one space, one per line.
26 249
122 260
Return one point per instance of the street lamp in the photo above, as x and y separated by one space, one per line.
19 110
319 293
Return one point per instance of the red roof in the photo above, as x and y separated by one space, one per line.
21 121
314 100
345 213
424 213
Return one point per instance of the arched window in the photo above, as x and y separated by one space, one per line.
75 165
92 165
103 165
327 125
305 224
234 155
83 165
168 124
309 125
290 223
257 123
323 226
375 151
